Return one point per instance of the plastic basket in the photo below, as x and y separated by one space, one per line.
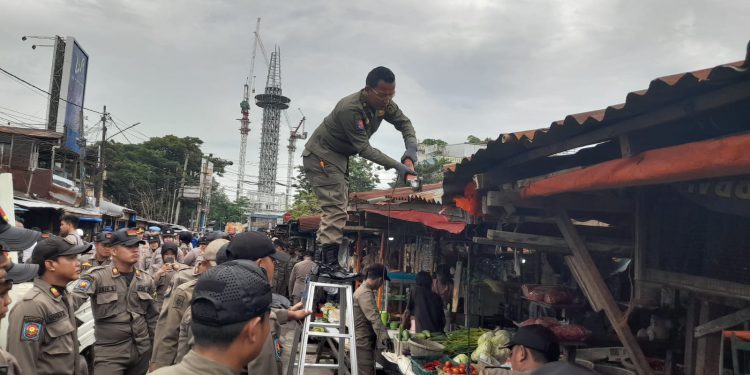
418 361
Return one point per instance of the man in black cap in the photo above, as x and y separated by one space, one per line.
102 252
124 312
372 335
13 238
177 301
531 347
230 320
42 331
257 247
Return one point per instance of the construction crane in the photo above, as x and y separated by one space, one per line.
245 110
294 135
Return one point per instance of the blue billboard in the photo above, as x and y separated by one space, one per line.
74 75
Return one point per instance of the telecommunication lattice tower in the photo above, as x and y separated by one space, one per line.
272 103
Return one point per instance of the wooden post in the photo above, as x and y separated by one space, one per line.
707 347
383 238
600 291
691 320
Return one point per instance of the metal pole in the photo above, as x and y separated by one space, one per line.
100 167
182 188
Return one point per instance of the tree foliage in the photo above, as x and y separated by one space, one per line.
436 142
431 171
477 141
223 210
305 201
362 175
146 176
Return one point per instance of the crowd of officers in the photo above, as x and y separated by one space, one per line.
143 290
141 284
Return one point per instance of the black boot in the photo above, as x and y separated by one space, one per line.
330 263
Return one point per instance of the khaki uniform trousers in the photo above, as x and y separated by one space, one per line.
331 186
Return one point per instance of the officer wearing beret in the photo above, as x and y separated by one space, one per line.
230 310
346 132
122 302
42 331
102 252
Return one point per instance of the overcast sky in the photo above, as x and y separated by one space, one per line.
480 67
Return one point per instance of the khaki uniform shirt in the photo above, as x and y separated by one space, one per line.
121 312
347 131
269 359
185 338
42 331
164 282
168 326
367 324
194 363
9 363
89 261
298 277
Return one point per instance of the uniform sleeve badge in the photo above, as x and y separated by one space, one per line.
83 285
277 347
360 124
32 329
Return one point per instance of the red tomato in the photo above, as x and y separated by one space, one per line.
448 364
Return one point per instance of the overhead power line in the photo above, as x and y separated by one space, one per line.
44 91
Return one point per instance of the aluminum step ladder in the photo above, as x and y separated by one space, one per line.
303 332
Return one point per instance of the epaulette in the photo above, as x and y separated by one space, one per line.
92 270
31 294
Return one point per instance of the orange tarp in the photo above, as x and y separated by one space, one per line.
692 161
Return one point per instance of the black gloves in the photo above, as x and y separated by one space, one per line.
402 170
410 153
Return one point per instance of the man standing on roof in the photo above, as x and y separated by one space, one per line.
346 132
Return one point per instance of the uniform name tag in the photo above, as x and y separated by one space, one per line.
56 316
143 288
106 289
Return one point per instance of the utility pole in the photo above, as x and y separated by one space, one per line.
100 166
182 188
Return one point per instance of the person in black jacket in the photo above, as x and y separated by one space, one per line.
425 305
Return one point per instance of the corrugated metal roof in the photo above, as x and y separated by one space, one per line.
661 91
35 133
430 193
77 211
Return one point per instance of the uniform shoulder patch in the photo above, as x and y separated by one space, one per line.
83 285
32 328
359 121
179 301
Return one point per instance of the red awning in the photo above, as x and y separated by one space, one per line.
431 220
692 161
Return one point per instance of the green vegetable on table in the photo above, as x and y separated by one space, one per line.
461 341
